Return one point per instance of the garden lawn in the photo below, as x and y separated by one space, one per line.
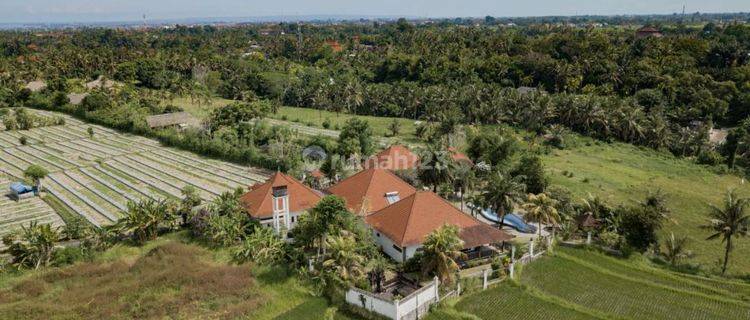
624 174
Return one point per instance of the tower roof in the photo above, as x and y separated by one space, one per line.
259 200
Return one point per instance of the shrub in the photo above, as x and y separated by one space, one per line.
327 123
709 157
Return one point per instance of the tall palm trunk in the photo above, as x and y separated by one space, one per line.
726 255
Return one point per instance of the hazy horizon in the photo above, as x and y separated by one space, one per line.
71 11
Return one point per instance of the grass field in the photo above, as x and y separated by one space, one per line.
578 284
166 278
310 117
622 174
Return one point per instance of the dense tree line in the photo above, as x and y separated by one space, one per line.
605 82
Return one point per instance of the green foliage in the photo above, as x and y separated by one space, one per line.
442 248
359 131
493 148
144 218
33 246
530 171
35 172
262 246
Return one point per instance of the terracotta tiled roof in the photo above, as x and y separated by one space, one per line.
259 200
365 192
458 156
396 157
410 220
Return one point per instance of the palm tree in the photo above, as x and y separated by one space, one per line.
502 193
539 208
729 222
442 247
464 180
344 262
436 167
675 249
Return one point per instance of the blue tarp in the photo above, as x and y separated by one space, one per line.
20 188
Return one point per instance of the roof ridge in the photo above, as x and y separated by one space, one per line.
408 219
368 186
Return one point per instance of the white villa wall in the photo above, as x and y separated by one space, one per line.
386 244
268 222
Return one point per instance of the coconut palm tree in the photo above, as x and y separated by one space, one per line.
442 247
464 180
502 192
729 222
541 208
436 167
344 263
675 249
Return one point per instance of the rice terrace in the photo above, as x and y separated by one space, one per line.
94 176
415 160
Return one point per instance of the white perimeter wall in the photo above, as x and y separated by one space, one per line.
414 306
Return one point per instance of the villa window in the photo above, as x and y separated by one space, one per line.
392 197
397 248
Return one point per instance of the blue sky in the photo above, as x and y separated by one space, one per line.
118 10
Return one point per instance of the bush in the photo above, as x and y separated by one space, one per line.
327 123
70 255
709 157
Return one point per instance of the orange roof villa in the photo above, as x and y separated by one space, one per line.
371 190
401 227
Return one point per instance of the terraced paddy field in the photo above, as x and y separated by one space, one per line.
95 177
579 284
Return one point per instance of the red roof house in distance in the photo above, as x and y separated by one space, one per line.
401 227
279 201
371 190
459 157
335 46
647 31
395 157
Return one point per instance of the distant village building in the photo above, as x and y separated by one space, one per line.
36 86
395 157
76 98
647 31
100 83
177 120
335 45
